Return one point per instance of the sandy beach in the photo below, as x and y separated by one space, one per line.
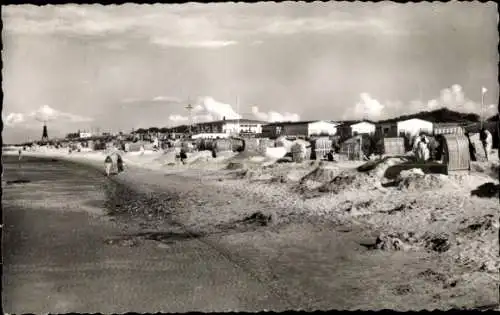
324 234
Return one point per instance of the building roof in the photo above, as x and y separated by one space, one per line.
280 123
241 121
414 119
449 124
355 121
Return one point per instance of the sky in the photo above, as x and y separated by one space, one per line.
130 66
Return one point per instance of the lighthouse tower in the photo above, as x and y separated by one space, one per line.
45 135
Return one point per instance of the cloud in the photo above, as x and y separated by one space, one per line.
206 108
217 109
273 116
367 107
177 118
193 26
156 99
453 98
13 119
43 114
166 99
331 23
193 44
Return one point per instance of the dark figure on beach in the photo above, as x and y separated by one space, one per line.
331 155
486 141
20 151
472 149
119 163
183 156
437 148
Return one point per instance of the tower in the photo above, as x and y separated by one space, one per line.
189 108
45 135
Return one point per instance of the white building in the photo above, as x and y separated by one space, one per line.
414 126
211 136
300 128
230 126
363 127
84 135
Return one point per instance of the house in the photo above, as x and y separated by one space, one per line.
272 130
363 128
300 128
414 126
230 126
448 128
387 129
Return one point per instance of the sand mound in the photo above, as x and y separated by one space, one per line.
479 225
258 218
349 181
166 158
391 243
416 180
378 168
491 169
235 166
245 156
276 153
200 157
322 174
438 243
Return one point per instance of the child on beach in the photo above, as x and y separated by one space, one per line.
108 163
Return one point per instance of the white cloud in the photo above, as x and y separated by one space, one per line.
44 113
196 26
156 99
453 98
177 118
166 99
192 44
206 108
13 119
367 107
217 109
203 118
329 23
273 116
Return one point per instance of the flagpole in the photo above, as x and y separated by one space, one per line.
238 109
483 92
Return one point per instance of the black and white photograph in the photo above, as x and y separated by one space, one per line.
249 157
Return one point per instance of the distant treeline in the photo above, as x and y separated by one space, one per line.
442 115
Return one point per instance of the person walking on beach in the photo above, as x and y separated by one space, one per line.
486 140
20 156
108 163
119 163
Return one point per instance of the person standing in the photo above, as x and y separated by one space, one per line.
108 163
119 163
486 140
20 156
